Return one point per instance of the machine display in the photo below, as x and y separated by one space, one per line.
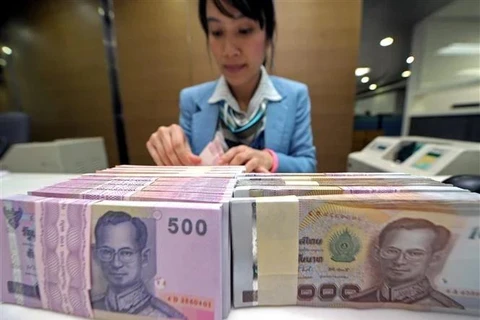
417 155
427 160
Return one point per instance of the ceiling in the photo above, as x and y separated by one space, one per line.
390 18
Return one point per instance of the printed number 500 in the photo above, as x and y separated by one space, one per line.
186 226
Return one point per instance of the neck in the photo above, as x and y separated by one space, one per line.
244 93
393 284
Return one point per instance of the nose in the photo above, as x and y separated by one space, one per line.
401 259
116 263
230 48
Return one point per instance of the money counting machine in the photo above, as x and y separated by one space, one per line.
76 155
421 156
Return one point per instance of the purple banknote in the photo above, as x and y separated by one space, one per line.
19 284
62 253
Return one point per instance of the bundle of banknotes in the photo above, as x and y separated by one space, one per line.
143 242
123 243
361 241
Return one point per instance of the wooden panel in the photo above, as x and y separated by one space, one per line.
318 44
331 162
60 73
203 65
3 98
141 127
154 65
158 56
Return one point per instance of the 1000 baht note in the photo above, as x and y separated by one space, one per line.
275 191
363 251
342 181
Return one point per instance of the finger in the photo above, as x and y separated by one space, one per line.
196 160
251 165
179 145
169 151
157 143
182 148
176 142
241 158
261 169
153 153
230 154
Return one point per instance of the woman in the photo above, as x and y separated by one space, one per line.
264 119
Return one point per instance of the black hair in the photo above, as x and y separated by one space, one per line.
262 11
442 234
116 217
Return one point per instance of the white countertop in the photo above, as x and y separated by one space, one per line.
11 312
14 183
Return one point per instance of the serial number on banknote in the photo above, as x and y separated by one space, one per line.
187 226
196 302
468 293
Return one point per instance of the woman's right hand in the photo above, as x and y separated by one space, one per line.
168 146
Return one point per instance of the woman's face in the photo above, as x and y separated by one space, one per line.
238 45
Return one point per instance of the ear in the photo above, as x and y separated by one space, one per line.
436 258
145 256
94 252
376 254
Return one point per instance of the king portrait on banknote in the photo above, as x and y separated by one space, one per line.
406 249
122 253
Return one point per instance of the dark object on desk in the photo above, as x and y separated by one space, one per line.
467 181
457 127
14 128
406 151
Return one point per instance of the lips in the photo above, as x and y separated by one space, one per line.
118 274
399 270
234 68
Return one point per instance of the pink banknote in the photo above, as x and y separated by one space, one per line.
103 259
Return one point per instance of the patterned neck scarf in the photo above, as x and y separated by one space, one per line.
241 127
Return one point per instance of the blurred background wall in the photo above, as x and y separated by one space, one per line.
57 73
114 68
3 98
162 49
425 80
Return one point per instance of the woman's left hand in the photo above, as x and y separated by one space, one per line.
254 160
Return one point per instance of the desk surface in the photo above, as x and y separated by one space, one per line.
14 183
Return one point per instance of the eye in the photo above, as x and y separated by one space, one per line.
127 253
216 33
245 31
417 253
392 251
105 253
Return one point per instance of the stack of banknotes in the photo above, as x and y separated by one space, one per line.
355 240
142 242
122 243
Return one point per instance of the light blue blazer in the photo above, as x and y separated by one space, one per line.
288 129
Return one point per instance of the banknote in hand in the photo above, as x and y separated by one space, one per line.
213 151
